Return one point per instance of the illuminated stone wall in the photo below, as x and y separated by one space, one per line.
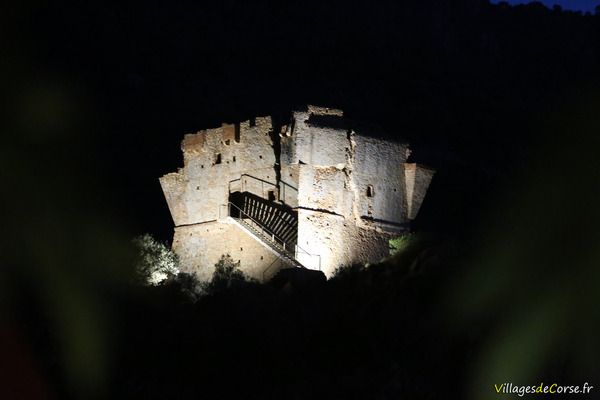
212 160
418 177
200 246
352 191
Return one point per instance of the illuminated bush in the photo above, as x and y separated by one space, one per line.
156 262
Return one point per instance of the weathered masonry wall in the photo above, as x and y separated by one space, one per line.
347 166
339 242
418 178
378 175
201 246
213 158
288 187
351 193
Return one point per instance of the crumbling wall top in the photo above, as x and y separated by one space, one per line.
193 142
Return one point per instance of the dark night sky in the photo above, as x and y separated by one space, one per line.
581 5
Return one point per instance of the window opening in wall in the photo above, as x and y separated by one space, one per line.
370 191
260 157
218 158
233 158
202 166
237 133
271 195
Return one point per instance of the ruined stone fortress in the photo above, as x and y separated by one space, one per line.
318 192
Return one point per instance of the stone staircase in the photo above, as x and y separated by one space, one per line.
276 218
267 240
274 225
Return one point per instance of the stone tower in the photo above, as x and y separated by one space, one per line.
319 193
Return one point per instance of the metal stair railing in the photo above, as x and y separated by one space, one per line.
275 219
267 237
274 241
283 254
263 230
244 185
